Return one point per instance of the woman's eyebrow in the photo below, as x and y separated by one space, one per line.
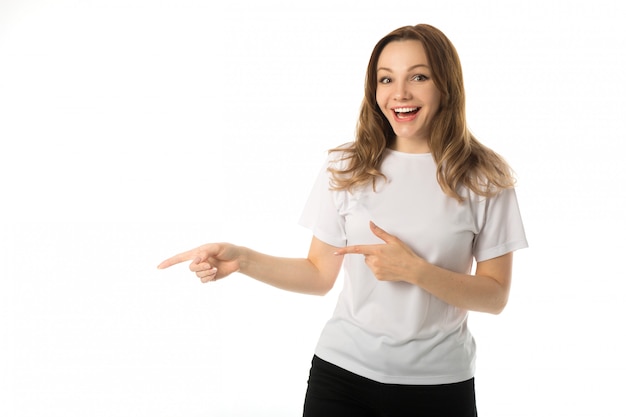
411 68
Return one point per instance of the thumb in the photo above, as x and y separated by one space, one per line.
201 256
382 234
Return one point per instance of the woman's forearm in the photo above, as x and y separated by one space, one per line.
393 260
486 291
315 274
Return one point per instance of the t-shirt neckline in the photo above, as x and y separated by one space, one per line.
408 155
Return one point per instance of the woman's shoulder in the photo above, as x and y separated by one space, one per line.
339 156
347 147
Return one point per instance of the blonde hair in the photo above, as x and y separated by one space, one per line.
461 159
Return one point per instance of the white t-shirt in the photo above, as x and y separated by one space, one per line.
395 332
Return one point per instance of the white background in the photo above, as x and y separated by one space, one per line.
132 130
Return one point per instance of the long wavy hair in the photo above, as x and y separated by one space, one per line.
461 159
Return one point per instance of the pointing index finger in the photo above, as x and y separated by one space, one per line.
181 257
356 249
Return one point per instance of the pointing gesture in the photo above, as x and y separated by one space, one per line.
392 260
210 262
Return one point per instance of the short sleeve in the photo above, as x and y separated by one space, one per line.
502 229
321 214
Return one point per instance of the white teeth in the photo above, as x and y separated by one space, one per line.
406 109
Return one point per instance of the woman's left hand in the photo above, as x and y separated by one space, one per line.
389 261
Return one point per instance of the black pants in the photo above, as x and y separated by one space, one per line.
335 392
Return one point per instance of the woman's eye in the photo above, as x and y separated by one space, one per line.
420 77
385 80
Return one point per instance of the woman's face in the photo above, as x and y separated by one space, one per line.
406 94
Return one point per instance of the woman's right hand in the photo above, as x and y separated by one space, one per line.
315 274
210 262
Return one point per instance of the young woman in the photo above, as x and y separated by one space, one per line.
406 208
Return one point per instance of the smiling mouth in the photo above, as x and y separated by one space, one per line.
406 113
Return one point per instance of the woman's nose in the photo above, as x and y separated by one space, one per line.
402 92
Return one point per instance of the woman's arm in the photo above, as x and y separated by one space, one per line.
486 291
315 274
